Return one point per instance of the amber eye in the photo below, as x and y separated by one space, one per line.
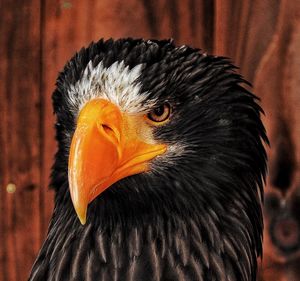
160 113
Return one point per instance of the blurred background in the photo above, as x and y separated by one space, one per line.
38 36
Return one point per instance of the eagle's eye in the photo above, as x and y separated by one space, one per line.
160 114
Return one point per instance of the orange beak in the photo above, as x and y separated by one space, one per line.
105 148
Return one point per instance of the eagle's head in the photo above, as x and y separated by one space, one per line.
149 130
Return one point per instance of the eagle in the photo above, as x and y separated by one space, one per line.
160 167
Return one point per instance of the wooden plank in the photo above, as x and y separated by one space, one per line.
244 30
19 139
277 82
248 31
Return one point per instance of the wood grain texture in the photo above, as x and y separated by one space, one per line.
244 30
36 39
20 137
275 81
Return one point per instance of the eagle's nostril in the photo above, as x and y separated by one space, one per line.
108 130
112 133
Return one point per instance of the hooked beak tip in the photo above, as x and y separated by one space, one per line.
82 217
81 211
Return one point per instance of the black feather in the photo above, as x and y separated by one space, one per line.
197 218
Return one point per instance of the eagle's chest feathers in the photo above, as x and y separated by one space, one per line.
167 251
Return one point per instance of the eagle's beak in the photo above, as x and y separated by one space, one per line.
105 148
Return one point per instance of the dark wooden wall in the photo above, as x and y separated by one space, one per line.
38 36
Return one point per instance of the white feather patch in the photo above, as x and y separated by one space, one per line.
116 83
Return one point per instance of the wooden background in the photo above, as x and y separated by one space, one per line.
38 36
